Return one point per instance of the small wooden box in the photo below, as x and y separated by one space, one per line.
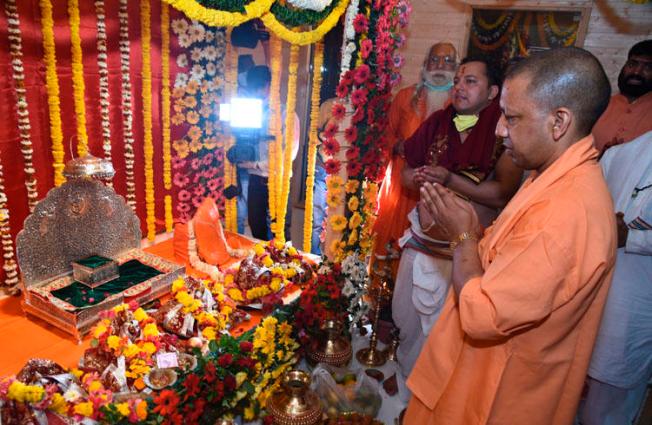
95 270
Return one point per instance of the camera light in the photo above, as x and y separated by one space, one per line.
243 112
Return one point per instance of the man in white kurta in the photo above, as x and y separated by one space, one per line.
621 365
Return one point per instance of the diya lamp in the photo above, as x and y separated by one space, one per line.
372 356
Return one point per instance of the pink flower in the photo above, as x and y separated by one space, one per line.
359 97
342 90
362 74
360 23
338 111
212 185
199 190
180 180
366 47
351 134
184 195
347 78
196 201
358 115
195 164
178 163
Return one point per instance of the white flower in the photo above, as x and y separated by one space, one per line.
197 32
210 53
316 5
211 69
184 40
196 54
181 80
179 26
209 36
348 289
182 60
197 73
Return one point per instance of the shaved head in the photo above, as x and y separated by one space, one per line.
567 77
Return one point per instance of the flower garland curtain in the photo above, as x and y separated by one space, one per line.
46 116
281 19
78 85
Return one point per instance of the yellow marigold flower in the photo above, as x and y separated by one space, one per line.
275 284
140 314
226 310
195 145
141 410
270 323
355 221
240 378
209 333
259 249
249 413
210 142
180 146
84 409
192 117
99 330
353 204
123 408
149 348
178 284
365 243
228 279
192 87
76 372
334 199
337 246
131 350
352 186
290 273
353 237
338 222
194 132
150 329
235 294
267 261
190 101
58 404
334 183
113 342
285 328
178 92
95 386
25 393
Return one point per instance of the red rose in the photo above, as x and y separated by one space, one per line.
246 346
225 360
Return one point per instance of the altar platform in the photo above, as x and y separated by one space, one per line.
25 337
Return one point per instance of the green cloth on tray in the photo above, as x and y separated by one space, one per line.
132 273
94 261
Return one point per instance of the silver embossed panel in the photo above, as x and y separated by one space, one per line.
82 217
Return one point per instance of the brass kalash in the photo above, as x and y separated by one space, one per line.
79 248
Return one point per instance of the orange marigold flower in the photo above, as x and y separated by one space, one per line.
192 117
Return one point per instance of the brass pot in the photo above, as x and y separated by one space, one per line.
332 347
296 403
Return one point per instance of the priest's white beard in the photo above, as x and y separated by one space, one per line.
435 99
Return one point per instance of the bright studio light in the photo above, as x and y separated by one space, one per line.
243 112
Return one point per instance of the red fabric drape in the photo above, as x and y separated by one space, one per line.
10 155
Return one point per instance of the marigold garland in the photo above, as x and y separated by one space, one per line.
78 86
303 38
127 113
312 146
230 178
275 163
148 146
289 141
220 18
9 263
104 78
18 75
52 85
165 111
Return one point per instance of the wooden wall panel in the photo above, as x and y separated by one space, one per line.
614 26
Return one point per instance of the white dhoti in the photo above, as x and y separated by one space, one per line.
422 283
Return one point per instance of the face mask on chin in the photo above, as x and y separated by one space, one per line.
438 79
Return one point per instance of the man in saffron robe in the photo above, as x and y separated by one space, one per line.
459 139
410 107
514 339
628 114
